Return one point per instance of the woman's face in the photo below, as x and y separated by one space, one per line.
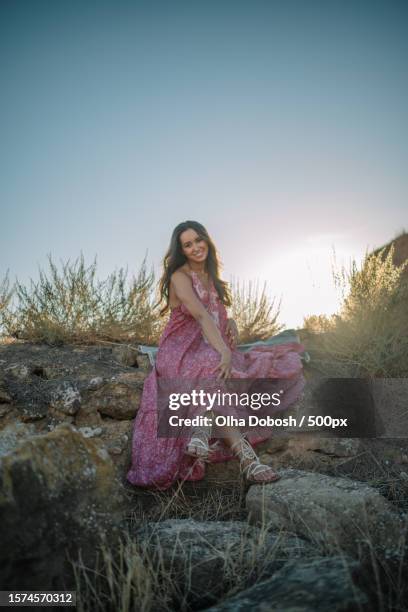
193 246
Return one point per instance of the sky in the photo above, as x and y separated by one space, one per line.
280 126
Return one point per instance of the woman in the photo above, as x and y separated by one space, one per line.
199 342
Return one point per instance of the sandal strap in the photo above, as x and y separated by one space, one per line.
248 470
256 468
244 450
199 442
203 431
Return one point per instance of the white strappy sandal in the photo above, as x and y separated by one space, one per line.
244 451
198 447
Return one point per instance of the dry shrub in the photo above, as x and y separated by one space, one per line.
6 295
254 312
74 306
318 323
367 337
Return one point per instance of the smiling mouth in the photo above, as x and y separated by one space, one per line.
199 253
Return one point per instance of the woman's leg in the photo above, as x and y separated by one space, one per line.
232 438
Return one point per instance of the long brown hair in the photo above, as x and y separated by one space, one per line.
175 258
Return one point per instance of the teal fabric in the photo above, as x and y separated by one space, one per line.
288 335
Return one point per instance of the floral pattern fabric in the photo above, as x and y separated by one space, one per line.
184 352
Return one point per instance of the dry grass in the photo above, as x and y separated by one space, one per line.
367 337
186 501
255 313
136 575
6 295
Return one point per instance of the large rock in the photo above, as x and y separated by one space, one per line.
5 397
118 398
310 452
335 513
56 492
52 385
205 559
315 585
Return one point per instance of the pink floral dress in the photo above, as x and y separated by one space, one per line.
184 352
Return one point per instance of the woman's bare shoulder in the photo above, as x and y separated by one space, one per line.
182 270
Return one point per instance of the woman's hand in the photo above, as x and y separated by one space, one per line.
225 364
232 332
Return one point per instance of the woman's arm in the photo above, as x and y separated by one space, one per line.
232 331
185 293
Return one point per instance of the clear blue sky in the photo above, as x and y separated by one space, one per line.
281 126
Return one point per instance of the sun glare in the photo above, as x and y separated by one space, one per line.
303 277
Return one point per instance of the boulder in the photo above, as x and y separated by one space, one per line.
334 513
302 585
205 559
57 491
118 399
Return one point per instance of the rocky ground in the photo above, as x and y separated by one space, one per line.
337 515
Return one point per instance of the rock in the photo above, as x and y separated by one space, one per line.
136 378
12 435
19 370
50 371
302 585
336 447
143 363
96 382
115 450
125 355
57 491
118 400
88 432
277 443
5 398
206 558
331 512
309 452
117 438
4 409
34 412
66 398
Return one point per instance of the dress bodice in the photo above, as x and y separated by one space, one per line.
209 298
